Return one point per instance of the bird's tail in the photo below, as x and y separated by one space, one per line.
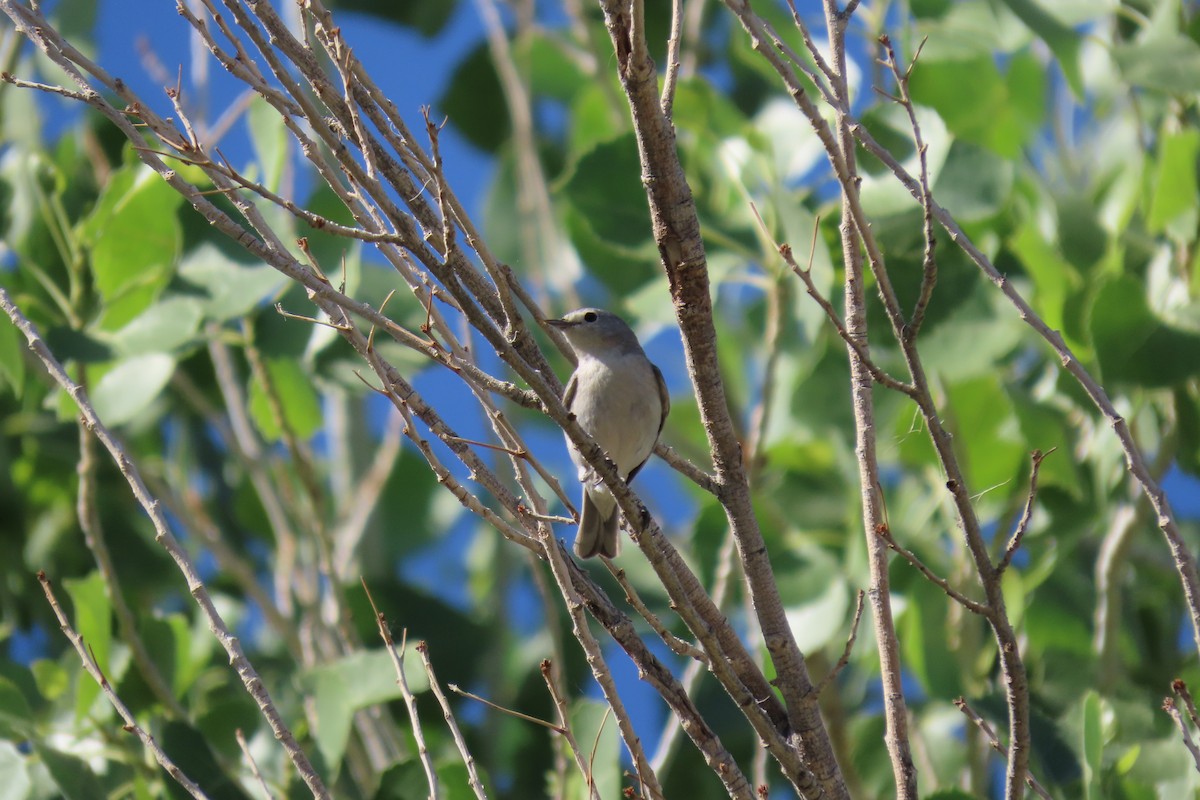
598 532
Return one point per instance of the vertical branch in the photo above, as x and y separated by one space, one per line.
861 384
681 250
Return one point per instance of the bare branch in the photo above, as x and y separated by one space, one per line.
845 658
93 669
994 742
245 747
564 721
410 700
250 678
1014 543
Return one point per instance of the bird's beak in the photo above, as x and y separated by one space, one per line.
561 324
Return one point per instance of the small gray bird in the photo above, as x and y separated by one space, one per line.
618 397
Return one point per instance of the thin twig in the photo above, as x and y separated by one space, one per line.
677 645
1014 543
93 536
93 669
805 275
241 740
1180 688
929 270
535 720
994 742
885 534
564 720
448 715
673 46
845 659
410 700
250 678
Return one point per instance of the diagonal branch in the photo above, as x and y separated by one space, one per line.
237 658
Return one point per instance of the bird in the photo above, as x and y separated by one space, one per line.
620 398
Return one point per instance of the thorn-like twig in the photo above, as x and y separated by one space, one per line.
1014 543
845 659
995 743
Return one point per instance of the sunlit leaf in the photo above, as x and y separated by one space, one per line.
128 389
1175 192
295 395
341 687
166 326
1167 64
229 288
137 243
15 781
1061 39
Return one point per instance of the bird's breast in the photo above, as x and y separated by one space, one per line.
617 402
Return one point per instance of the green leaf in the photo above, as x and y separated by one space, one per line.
1056 281
1044 426
1187 416
474 101
137 243
15 717
987 437
174 647
951 794
358 680
973 183
1001 112
1167 64
1062 40
292 385
592 120
404 781
12 357
71 775
553 69
51 677
427 18
15 781
271 140
1133 345
822 619
166 326
230 288
129 388
93 621
193 754
592 722
606 189
924 637
1175 191
1082 238
1012 586
701 109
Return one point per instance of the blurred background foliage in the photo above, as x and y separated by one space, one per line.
1064 137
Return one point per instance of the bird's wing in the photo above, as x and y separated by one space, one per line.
665 399
569 393
663 396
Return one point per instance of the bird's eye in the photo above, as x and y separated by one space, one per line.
589 316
